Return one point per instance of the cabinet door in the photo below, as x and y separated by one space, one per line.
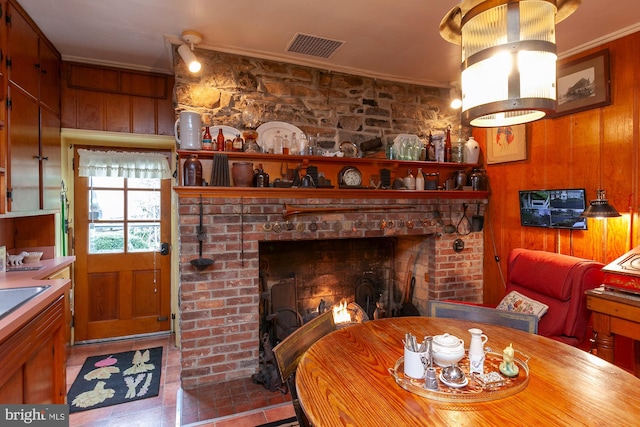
49 78
24 174
23 52
39 382
51 163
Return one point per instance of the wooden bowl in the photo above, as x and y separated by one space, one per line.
32 257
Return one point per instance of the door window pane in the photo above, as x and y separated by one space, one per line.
143 205
106 238
106 205
143 237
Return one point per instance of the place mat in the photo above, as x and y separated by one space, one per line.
117 378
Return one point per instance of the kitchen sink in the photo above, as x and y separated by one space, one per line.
12 298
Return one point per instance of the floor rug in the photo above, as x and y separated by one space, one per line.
288 422
117 378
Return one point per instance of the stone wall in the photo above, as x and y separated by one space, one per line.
243 92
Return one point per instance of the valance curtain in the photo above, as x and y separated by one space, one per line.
121 164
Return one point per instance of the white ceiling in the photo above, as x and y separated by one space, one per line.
388 39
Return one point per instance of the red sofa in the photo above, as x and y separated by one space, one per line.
558 281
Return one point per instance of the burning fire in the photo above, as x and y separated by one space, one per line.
341 314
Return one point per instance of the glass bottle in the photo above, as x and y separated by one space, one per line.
192 171
431 149
457 152
206 140
286 146
238 143
419 180
447 145
260 178
293 145
220 140
277 143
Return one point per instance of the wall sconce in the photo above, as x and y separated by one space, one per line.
508 58
186 50
455 96
600 208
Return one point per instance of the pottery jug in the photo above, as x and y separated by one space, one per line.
242 173
476 350
471 151
189 135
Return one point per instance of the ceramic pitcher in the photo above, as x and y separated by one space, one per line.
476 350
189 135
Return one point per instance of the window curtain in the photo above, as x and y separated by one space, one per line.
120 164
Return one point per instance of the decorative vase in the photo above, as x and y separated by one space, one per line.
242 173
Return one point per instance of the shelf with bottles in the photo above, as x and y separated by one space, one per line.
281 168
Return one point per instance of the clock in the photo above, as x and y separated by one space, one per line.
350 177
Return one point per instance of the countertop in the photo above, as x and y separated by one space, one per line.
16 279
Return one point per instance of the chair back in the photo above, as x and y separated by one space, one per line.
289 352
479 314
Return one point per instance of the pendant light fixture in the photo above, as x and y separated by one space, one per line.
508 58
186 50
600 208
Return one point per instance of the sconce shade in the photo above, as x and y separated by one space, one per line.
189 58
600 208
508 58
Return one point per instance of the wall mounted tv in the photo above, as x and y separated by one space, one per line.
553 208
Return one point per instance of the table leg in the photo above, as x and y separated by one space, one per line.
605 346
636 350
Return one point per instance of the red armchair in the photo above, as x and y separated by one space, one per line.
558 281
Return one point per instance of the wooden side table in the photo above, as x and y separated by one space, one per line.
615 313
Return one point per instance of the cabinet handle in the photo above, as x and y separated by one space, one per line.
40 158
44 71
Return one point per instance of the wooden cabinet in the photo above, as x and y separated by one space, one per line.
33 368
33 117
65 273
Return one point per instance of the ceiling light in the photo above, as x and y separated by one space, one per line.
508 58
600 208
186 50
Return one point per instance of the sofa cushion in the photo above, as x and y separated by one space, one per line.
515 301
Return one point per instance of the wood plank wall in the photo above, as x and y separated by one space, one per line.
594 149
116 100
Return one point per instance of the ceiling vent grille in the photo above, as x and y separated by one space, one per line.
313 45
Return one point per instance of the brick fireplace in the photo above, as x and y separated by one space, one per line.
219 306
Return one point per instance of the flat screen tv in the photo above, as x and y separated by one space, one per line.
553 208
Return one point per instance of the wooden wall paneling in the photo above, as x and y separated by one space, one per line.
143 112
68 106
166 114
88 77
118 112
90 110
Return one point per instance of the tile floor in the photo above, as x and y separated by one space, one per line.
237 403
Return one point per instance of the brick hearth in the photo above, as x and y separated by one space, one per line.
219 306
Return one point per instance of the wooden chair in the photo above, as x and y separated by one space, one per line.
289 352
474 313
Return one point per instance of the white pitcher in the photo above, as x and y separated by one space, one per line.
471 151
476 350
190 135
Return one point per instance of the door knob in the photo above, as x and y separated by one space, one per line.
164 248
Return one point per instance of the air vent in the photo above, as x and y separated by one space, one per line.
314 45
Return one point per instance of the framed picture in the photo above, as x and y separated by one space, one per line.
583 84
3 258
506 144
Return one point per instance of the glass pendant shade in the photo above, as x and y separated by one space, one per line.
508 58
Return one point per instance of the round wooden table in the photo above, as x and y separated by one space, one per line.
343 380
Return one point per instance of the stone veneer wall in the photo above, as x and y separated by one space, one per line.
338 107
219 306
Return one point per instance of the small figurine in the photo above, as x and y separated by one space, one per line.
16 259
507 366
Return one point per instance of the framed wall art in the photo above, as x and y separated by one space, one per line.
506 144
583 84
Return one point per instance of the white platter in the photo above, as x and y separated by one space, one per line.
266 132
227 131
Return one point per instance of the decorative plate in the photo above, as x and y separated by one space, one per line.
266 131
227 131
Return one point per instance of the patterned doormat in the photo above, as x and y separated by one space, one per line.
117 378
288 422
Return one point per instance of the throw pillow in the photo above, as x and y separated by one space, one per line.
515 301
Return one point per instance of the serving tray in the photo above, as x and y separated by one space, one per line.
476 390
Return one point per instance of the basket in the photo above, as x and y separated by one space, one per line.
32 257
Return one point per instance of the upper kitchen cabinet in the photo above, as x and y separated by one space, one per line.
32 141
32 63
